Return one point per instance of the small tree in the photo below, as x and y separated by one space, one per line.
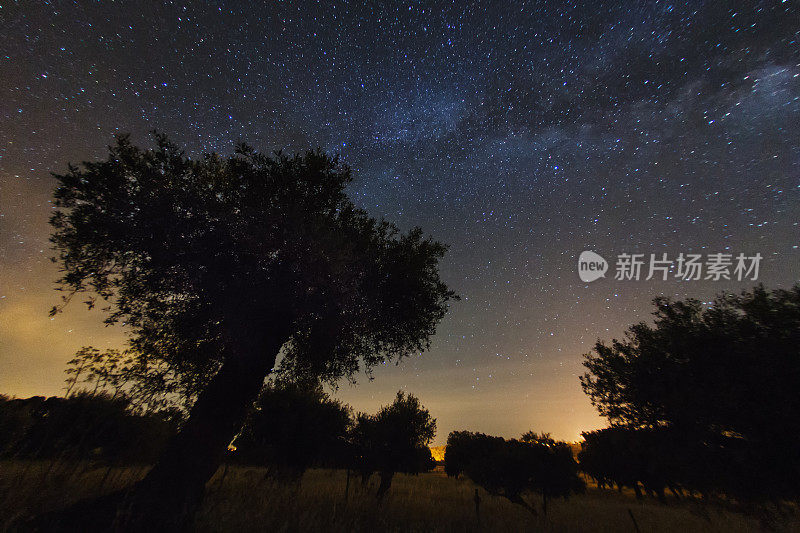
292 426
510 468
216 265
599 455
553 469
394 440
467 451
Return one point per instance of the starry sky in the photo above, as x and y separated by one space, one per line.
519 133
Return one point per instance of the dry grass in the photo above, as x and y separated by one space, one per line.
244 500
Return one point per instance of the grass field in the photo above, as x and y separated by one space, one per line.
243 499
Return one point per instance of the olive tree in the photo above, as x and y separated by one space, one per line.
216 265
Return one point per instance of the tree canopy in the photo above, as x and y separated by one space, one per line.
182 249
395 439
731 366
704 397
218 264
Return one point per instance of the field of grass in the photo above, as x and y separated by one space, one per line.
243 499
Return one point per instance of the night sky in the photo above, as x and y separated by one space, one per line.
521 134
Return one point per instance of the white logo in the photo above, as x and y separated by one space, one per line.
591 266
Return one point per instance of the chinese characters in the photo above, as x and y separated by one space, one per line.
688 267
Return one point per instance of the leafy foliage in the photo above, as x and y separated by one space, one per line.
183 249
216 266
149 385
394 440
730 367
707 394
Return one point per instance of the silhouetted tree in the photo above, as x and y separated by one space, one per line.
711 388
394 440
510 468
617 456
294 425
552 468
600 454
466 449
217 264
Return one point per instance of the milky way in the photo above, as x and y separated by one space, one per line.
520 134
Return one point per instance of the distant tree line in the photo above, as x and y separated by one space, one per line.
703 401
510 468
293 426
82 426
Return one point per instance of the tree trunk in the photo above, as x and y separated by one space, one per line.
168 496
386 483
516 498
